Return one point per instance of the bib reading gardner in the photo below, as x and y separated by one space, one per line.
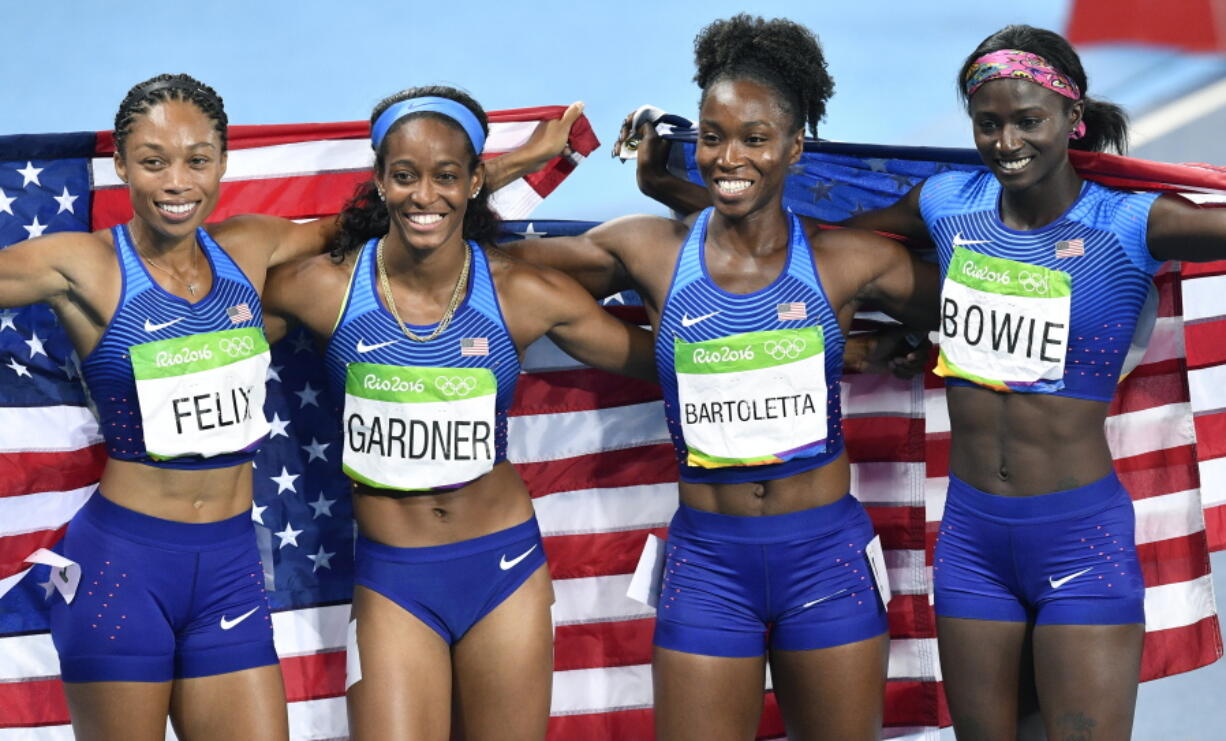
418 428
202 395
752 399
1004 324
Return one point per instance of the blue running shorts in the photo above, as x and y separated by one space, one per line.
159 599
737 586
1066 558
451 587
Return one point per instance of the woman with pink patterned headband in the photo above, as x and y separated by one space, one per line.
1039 595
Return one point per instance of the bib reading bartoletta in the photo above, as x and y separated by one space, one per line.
1049 310
421 415
750 381
177 384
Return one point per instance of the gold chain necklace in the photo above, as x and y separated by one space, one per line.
460 285
191 286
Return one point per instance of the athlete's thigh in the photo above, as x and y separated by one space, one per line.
706 698
405 689
243 704
118 711
503 668
982 662
1087 677
833 693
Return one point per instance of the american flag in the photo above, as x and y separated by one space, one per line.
474 346
1070 248
594 452
792 310
239 313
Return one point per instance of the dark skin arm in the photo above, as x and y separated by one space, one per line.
1180 230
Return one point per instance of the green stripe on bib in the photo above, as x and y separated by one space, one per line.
1007 277
180 356
749 351
417 385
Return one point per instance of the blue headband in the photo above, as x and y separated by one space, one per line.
447 107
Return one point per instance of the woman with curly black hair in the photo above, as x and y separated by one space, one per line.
424 323
1039 593
768 556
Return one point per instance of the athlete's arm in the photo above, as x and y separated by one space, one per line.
38 269
308 292
901 218
1180 230
562 310
284 240
548 140
598 257
905 287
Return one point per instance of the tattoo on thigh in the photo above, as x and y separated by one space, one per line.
1076 727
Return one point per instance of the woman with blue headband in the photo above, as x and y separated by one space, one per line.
424 322
1039 593
170 616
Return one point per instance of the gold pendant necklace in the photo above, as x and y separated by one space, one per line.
452 305
191 285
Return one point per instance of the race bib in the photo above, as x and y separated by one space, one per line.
202 395
415 429
752 399
1004 324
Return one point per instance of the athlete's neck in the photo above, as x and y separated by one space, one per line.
757 233
172 252
1041 203
425 270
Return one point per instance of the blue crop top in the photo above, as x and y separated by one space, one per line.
750 381
1096 251
147 314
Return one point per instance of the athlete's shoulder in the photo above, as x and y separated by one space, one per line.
955 191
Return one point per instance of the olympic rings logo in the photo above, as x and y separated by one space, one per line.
789 348
236 346
455 385
1032 282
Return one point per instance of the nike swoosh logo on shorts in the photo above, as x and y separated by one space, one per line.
364 348
504 564
151 327
959 241
1057 583
686 321
823 599
227 624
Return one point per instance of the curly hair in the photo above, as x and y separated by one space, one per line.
365 217
1106 123
144 96
778 53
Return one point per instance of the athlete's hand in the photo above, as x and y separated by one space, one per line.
551 138
898 350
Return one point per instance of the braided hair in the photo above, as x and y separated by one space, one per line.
1106 123
143 97
781 54
365 217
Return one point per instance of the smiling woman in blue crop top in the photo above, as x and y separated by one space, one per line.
167 316
767 555
424 323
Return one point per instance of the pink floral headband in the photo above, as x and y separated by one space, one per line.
1013 64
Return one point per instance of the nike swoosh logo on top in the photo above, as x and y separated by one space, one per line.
1057 583
151 327
227 624
363 347
504 564
687 321
823 599
959 241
